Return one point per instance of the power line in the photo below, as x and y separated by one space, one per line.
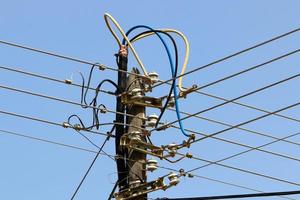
249 69
111 93
267 194
251 149
249 121
61 100
161 82
234 99
101 66
244 171
108 92
92 163
51 79
230 125
270 152
232 55
45 121
111 156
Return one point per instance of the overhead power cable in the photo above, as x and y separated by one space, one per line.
234 99
161 82
232 55
93 162
182 112
244 171
238 196
111 156
249 121
255 148
240 128
224 140
45 121
249 69
52 79
112 93
63 100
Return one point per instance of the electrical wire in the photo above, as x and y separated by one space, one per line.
267 194
232 55
108 17
187 49
228 141
185 113
173 70
234 99
92 163
65 101
246 122
44 121
245 171
111 156
161 82
230 125
254 148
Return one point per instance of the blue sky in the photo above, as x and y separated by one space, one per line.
36 170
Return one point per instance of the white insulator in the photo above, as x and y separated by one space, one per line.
137 93
135 135
174 179
151 165
172 149
153 76
152 120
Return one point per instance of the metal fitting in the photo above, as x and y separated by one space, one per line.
66 125
68 81
101 67
77 127
172 149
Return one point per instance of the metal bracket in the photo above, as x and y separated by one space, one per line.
184 93
129 99
138 145
145 188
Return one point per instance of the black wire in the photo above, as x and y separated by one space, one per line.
265 194
94 160
85 104
173 75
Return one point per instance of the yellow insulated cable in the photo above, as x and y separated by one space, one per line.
187 52
108 17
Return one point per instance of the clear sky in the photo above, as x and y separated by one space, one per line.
34 170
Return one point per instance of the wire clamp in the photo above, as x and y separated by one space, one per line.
133 141
184 93
66 125
145 188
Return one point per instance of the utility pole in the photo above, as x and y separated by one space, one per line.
120 118
136 159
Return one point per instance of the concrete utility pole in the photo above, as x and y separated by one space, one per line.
120 119
136 159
